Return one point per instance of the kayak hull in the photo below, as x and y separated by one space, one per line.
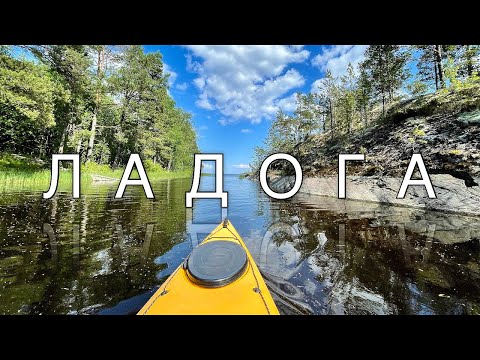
247 295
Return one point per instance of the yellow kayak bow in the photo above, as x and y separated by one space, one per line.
218 277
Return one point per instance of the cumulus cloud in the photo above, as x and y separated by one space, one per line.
245 82
316 85
204 103
225 122
207 164
246 131
287 104
173 75
182 86
241 166
337 58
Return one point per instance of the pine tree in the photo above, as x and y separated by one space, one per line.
100 54
431 61
28 95
385 66
69 65
329 94
70 100
469 60
427 65
347 101
364 95
306 115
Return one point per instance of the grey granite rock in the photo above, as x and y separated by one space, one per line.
452 193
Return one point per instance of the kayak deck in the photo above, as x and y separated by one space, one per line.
246 295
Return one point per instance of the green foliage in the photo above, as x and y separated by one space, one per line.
385 66
339 106
4 49
451 74
427 65
417 88
468 59
28 94
149 123
347 99
364 94
115 98
22 172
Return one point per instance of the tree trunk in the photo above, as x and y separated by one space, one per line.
116 156
438 59
469 62
64 139
43 149
91 141
436 76
331 117
169 164
383 105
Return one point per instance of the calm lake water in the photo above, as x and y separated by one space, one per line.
97 255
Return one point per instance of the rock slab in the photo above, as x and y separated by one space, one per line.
452 193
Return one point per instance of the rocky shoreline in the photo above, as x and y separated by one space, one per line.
453 195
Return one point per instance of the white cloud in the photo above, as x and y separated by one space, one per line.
245 82
207 165
199 83
203 102
315 85
337 58
182 86
173 75
241 166
203 127
225 122
246 131
287 104
192 66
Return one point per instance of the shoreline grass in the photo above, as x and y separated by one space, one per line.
21 173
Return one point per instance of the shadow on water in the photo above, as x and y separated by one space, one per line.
329 256
318 255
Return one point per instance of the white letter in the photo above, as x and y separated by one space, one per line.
219 193
263 176
342 173
56 158
425 181
134 160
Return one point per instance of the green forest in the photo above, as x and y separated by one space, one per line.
382 87
102 102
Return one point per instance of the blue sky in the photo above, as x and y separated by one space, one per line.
233 92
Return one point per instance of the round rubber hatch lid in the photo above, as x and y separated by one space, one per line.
216 263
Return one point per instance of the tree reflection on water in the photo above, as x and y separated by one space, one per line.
318 255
